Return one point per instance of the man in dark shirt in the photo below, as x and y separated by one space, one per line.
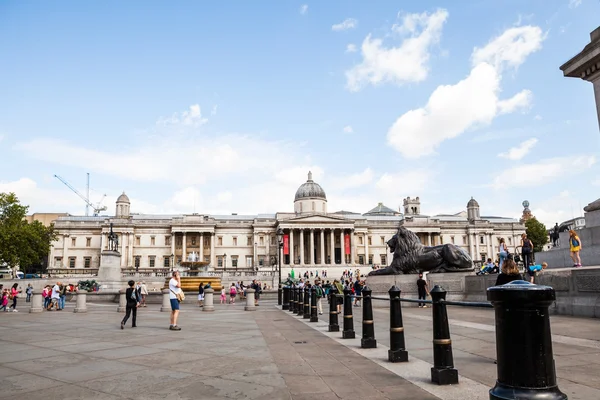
423 290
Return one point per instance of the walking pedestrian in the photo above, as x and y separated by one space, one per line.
14 293
28 292
526 251
174 289
223 296
423 290
62 297
201 294
133 302
232 293
144 293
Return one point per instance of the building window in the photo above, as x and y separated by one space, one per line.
137 261
178 241
249 241
261 240
152 241
370 259
464 240
361 259
272 240
137 240
261 260
87 262
73 242
72 262
360 240
166 262
219 240
220 261
88 242
234 261
167 240
509 240
248 261
452 239
369 239
151 261
57 262
193 240
481 239
235 240
383 240
383 259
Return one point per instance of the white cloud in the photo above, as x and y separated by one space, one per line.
402 184
511 48
348 23
472 102
213 112
517 153
348 129
538 117
191 117
404 63
351 48
574 3
303 9
542 172
354 180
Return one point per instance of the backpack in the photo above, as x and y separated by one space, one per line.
574 242
133 295
319 291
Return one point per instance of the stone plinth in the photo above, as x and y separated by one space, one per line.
81 302
166 301
559 257
250 306
109 273
586 65
452 282
122 301
36 302
208 300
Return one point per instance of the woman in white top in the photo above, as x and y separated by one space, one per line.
503 252
174 288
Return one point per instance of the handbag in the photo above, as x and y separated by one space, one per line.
179 295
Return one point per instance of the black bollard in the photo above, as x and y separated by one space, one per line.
443 371
293 290
313 305
397 351
286 298
333 313
368 328
300 310
524 342
306 314
279 294
348 332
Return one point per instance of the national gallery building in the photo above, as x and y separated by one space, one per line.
313 237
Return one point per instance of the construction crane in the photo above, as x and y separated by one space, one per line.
96 208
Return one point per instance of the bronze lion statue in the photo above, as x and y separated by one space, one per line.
411 257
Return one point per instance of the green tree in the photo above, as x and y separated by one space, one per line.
536 231
22 244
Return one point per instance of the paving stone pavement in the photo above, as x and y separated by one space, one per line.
226 354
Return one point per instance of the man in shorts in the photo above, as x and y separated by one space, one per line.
55 297
174 288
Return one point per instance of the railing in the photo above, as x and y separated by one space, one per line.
147 272
72 271
523 338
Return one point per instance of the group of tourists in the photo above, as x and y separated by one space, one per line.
9 294
239 289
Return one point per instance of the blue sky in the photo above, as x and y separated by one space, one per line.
221 107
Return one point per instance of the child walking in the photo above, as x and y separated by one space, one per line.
4 301
223 296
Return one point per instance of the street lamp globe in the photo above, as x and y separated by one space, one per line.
279 235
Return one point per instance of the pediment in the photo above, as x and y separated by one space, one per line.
317 219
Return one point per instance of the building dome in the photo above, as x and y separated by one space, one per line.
123 198
381 210
310 190
472 203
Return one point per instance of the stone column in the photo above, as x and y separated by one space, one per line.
352 248
213 258
311 258
366 248
122 301
471 246
124 255
429 239
292 247
65 257
80 304
166 302
268 251
332 244
102 238
342 252
322 246
184 248
130 242
201 252
36 302
250 306
477 255
208 300
301 246
173 243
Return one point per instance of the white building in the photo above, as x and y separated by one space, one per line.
313 237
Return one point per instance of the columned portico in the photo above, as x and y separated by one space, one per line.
322 247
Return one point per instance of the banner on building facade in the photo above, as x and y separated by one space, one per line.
347 243
286 244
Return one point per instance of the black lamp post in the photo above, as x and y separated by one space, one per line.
280 242
225 262
172 262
